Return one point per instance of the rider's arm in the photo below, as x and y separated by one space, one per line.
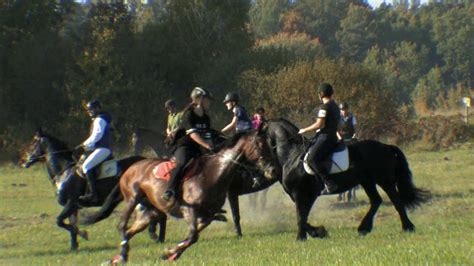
354 123
230 126
97 133
317 125
197 138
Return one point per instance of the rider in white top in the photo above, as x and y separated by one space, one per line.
98 144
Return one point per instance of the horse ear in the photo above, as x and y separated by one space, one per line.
39 132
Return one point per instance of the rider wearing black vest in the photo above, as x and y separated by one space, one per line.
98 146
194 134
326 126
347 128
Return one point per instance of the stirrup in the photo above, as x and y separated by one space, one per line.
168 195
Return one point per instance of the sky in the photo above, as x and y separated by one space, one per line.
376 3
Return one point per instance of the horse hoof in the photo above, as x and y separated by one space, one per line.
84 235
409 229
118 259
363 232
154 237
320 232
74 248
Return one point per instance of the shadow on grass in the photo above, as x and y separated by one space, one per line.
68 252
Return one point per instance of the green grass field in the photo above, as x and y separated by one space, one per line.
445 226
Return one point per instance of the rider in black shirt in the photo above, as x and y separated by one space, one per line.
194 134
326 125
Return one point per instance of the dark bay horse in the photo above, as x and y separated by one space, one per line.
242 184
202 196
371 163
61 167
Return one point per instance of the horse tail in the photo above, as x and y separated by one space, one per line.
112 200
410 195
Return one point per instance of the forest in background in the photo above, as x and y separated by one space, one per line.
401 70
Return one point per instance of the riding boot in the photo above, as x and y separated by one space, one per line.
92 196
172 187
329 185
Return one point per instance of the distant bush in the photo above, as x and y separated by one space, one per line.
433 132
291 92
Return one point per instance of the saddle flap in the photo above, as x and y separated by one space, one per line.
339 160
108 169
163 170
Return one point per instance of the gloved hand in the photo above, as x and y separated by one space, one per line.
78 150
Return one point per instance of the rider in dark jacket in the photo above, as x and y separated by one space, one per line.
194 134
326 126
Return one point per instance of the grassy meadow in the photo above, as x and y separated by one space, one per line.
445 226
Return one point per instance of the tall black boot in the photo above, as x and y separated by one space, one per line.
329 185
92 196
172 188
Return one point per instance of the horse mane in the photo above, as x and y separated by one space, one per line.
56 143
231 142
286 124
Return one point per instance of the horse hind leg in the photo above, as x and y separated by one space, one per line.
392 193
367 223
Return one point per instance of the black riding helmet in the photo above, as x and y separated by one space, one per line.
231 97
93 104
200 92
325 89
170 104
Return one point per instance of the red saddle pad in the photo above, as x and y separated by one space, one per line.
163 170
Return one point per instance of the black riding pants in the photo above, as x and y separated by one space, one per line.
319 153
182 155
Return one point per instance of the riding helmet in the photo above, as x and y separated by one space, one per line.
344 106
93 104
326 89
231 97
200 92
170 104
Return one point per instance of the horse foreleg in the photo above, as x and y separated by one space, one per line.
367 223
131 204
407 225
73 221
157 217
69 209
234 206
190 216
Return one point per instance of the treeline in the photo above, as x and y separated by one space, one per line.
390 64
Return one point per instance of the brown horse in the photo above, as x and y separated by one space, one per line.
201 198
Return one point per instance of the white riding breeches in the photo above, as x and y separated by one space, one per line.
95 158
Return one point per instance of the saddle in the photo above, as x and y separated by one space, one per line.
339 160
163 170
106 169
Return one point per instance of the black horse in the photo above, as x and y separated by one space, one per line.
371 163
61 167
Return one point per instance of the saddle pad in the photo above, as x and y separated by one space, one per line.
108 169
163 170
340 162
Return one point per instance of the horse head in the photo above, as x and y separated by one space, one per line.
45 148
34 151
